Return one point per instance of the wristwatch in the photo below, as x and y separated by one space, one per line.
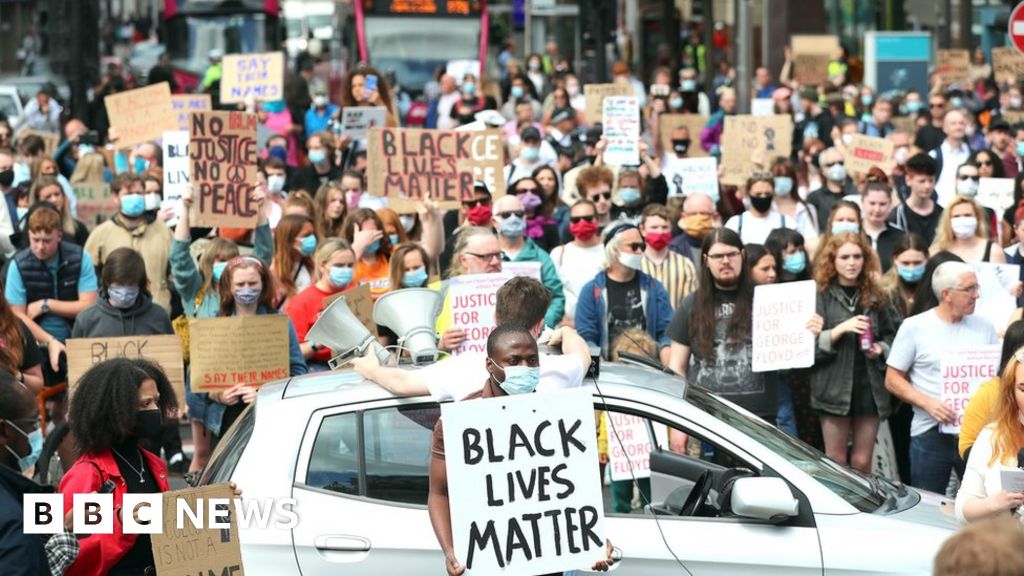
45 308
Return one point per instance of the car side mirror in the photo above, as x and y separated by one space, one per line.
763 499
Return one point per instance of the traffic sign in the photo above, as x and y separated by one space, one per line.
1016 27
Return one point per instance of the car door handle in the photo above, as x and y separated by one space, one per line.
341 543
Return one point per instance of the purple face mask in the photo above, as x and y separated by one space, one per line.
530 201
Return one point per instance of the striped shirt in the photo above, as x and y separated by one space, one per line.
676 273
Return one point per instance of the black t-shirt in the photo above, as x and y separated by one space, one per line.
730 373
924 226
140 555
30 354
625 307
929 137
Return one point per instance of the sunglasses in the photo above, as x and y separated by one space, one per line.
507 213
636 246
839 162
576 219
474 203
966 177
600 196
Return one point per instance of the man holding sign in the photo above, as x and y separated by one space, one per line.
513 367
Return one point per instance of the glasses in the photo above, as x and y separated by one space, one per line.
966 177
636 246
486 257
600 196
526 191
576 219
975 289
469 204
723 256
507 213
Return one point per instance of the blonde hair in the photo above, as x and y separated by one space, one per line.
321 200
1008 433
67 221
467 234
327 249
944 231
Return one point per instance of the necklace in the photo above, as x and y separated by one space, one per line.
850 299
141 470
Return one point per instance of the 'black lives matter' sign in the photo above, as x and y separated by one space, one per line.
525 486
222 159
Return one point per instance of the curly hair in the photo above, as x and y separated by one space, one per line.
106 399
825 274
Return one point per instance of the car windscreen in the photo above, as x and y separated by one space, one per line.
857 489
8 107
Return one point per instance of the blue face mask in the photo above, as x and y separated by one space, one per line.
414 278
122 297
518 379
688 85
395 240
373 247
676 102
35 444
629 196
21 212
840 227
1020 149
141 164
910 275
318 156
866 99
512 227
529 153
341 276
133 205
307 245
469 87
783 185
795 263
913 106
247 296
274 106
517 91
218 269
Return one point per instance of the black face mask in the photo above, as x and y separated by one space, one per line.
761 203
147 425
7 177
681 146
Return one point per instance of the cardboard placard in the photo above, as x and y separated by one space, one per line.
192 550
750 143
222 155
472 299
95 203
695 123
688 175
257 76
459 68
511 458
1014 117
621 124
141 115
954 65
356 121
997 300
51 140
165 350
904 124
762 107
963 370
185 104
409 165
867 151
359 302
528 269
811 56
780 335
1007 64
176 171
995 193
595 95
235 350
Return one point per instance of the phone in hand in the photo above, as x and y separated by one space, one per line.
371 83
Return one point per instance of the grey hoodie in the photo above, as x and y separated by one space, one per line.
101 320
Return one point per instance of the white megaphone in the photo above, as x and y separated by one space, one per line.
340 330
410 313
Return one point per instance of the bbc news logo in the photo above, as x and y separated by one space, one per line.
144 513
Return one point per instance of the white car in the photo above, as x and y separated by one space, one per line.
10 104
745 499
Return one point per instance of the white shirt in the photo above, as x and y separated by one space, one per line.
576 266
755 230
444 110
952 158
460 376
918 348
981 479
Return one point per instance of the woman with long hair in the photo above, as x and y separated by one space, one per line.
323 164
408 267
354 92
295 240
963 231
49 189
844 217
553 207
909 256
876 203
848 377
760 264
539 226
19 353
364 230
335 272
789 203
392 226
979 410
330 209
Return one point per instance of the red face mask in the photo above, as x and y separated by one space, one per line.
479 215
658 240
583 230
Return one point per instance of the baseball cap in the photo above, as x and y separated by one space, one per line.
530 133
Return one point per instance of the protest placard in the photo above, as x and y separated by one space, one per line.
409 165
257 76
95 203
694 124
629 445
997 301
141 115
51 140
864 152
191 550
528 269
954 66
459 68
762 107
512 460
359 302
621 122
995 193
165 350
176 171
237 350
903 124
811 56
780 335
222 155
1013 117
595 94
472 299
688 175
964 369
357 120
1007 64
750 143
185 104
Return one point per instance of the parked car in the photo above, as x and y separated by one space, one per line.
743 498
10 104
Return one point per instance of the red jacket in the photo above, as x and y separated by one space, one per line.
101 552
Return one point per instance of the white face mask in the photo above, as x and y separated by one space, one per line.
275 183
964 226
152 200
847 139
631 261
967 188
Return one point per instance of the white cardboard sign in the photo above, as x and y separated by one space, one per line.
629 445
357 120
997 301
472 299
528 269
176 171
781 337
621 120
688 175
964 369
523 475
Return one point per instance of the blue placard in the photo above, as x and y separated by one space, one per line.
904 48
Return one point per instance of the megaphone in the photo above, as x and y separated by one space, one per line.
340 330
410 313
